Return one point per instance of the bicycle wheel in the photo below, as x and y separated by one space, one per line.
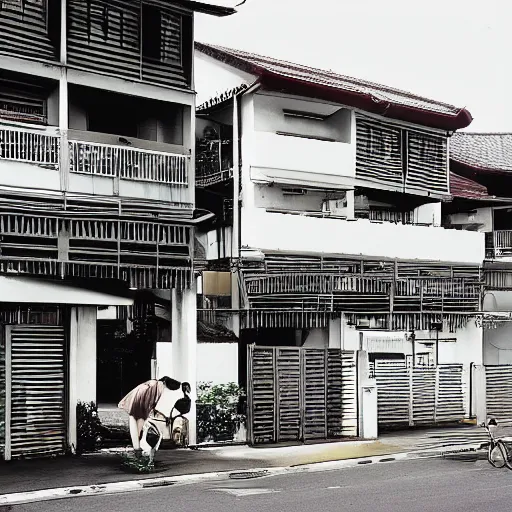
497 455
506 448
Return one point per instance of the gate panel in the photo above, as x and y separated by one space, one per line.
301 394
450 396
499 391
289 391
349 407
423 396
262 391
419 395
36 405
315 394
334 393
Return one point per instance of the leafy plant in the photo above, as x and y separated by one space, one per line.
219 414
142 464
89 427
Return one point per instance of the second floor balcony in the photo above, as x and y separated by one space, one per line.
299 234
94 164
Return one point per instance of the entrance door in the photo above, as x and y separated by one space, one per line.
35 391
300 394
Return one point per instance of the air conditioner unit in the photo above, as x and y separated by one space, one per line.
337 207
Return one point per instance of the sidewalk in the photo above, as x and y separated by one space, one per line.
105 467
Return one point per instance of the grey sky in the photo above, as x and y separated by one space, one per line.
458 51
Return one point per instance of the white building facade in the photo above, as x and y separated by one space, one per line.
328 193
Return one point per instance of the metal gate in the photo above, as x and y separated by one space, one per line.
35 394
418 396
300 394
498 391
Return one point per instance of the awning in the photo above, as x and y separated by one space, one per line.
20 289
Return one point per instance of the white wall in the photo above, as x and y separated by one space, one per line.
467 349
211 77
481 216
212 243
498 344
216 362
269 117
86 354
317 338
295 233
429 213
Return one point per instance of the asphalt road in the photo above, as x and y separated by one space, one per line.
419 485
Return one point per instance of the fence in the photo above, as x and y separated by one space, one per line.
409 396
297 394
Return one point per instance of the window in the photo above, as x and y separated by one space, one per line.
151 37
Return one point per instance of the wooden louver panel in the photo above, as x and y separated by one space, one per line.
315 394
24 29
427 163
299 394
262 396
378 151
106 36
37 412
499 391
2 399
289 385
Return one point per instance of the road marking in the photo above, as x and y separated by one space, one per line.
335 487
246 492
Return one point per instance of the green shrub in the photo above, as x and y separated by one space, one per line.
218 411
88 427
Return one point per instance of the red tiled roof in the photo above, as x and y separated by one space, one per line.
483 151
466 188
368 96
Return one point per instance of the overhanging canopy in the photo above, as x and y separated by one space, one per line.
25 290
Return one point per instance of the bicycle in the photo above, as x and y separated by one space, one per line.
499 450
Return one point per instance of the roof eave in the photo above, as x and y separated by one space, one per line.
204 8
482 170
368 103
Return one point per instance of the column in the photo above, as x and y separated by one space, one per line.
184 345
82 363
335 333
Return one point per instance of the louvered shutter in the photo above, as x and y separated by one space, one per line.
315 394
2 399
427 162
262 397
499 391
289 386
378 151
37 401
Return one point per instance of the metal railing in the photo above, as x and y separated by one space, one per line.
128 163
499 244
29 146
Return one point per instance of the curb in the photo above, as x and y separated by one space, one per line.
152 483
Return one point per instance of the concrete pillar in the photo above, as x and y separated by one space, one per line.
184 345
367 398
82 363
480 394
335 329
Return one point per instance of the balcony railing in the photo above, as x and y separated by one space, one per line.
213 162
499 244
128 163
32 147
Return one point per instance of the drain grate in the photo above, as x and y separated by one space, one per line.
245 475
